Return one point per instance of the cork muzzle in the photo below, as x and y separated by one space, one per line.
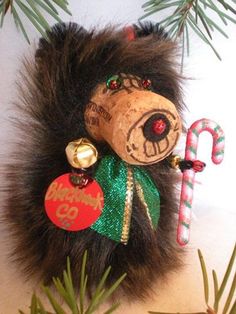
142 127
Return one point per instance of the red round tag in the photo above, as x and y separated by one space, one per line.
72 208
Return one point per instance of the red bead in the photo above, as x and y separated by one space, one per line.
198 166
114 85
159 126
146 84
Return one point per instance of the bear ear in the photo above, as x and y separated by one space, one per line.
57 35
56 56
60 30
144 29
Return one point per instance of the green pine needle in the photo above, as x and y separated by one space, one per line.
56 306
205 277
194 14
230 296
218 291
66 293
41 308
233 309
83 282
19 23
33 307
226 277
62 291
35 11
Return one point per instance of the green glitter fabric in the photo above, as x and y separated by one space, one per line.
151 194
111 174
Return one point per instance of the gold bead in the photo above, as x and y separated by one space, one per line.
81 153
174 161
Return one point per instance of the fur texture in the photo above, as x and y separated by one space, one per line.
55 90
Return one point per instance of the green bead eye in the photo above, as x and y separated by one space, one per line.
114 82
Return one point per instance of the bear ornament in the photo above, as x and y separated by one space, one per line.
101 114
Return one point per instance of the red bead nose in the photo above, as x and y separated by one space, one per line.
159 126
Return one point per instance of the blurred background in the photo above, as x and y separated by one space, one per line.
209 92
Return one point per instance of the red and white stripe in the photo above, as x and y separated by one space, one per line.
188 179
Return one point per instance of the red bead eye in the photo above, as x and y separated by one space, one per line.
146 83
159 126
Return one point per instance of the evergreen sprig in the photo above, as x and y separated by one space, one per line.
230 304
66 292
35 11
195 15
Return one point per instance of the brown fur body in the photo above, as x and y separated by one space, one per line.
59 85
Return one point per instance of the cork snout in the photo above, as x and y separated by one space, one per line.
142 127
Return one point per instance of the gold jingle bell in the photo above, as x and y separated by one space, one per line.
81 153
174 161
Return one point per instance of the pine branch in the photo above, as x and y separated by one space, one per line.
218 290
66 292
35 11
194 14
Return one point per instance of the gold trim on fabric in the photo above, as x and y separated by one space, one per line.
142 199
128 206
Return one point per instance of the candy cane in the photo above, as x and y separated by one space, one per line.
189 175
